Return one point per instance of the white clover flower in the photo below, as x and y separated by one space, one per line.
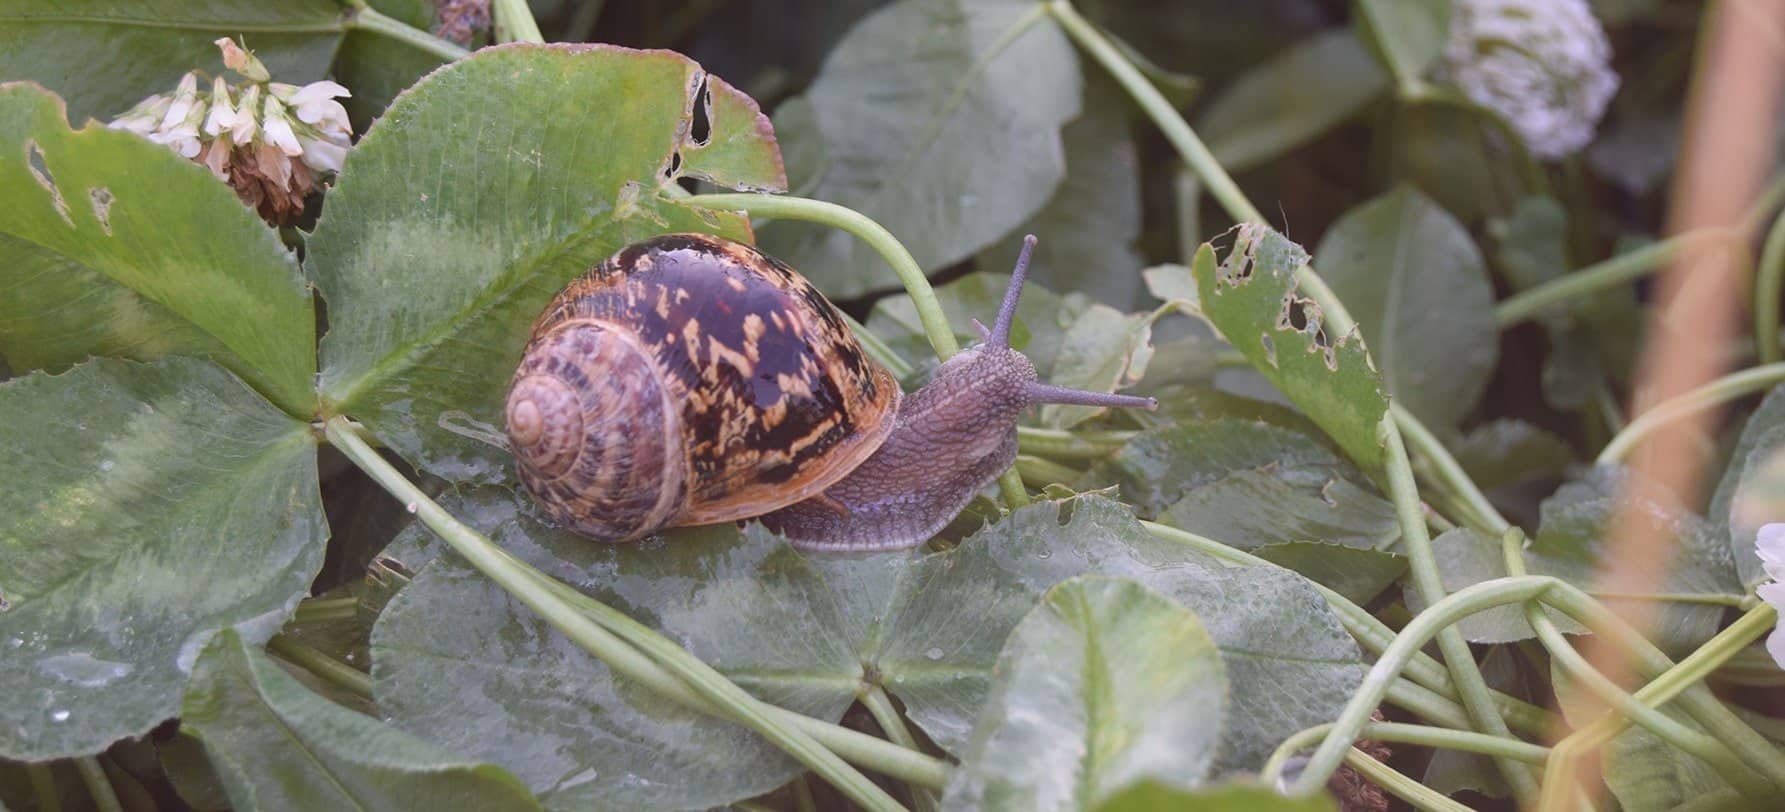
145 117
1543 65
222 118
1769 543
248 135
184 99
278 128
246 123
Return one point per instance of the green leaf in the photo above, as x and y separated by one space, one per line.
1413 280
147 506
278 746
1454 153
1238 796
1089 230
1571 538
1172 282
377 69
807 633
1290 663
1104 684
940 120
1251 298
477 196
1466 557
1762 436
104 57
1314 520
1643 771
1590 336
1407 36
459 662
115 246
1291 99
1157 467
1507 452
183 760
1104 350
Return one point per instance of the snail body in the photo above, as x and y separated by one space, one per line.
693 380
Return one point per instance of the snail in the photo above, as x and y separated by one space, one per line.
693 380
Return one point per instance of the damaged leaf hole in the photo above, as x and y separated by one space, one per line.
700 129
1303 315
101 198
40 170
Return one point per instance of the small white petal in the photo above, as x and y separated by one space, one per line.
1775 645
279 134
281 90
184 98
223 114
317 91
1773 593
323 156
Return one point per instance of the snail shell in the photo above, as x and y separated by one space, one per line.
690 380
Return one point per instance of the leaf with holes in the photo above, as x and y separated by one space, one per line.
1104 684
276 745
114 246
1411 276
146 507
482 191
941 120
1252 298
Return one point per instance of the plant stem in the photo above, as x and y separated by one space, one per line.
1529 303
1067 445
1364 626
917 286
1043 472
1413 792
366 18
529 587
1157 108
1422 564
43 786
1465 741
880 706
1441 615
514 22
93 776
1769 278
1715 393
326 610
335 672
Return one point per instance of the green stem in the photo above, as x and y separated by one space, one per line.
1195 154
43 786
1449 471
1369 631
1465 741
1694 699
514 22
1427 704
528 586
335 672
1422 563
917 286
1044 472
366 18
93 776
1068 445
880 706
1440 616
1529 303
1715 393
326 610
1413 792
1769 278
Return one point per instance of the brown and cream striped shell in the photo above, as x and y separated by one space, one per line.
690 380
